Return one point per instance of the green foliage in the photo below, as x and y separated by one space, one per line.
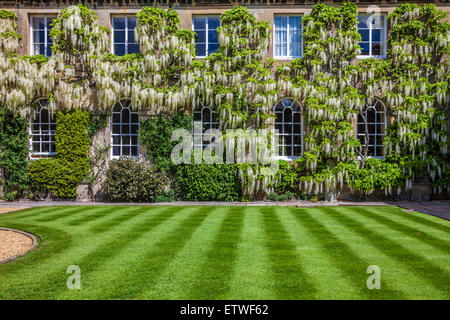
97 122
38 59
157 18
166 196
376 175
155 135
208 182
129 180
60 177
10 34
13 154
7 14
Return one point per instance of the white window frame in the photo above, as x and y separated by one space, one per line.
126 32
39 106
120 135
46 31
207 29
383 33
292 134
288 57
375 123
210 123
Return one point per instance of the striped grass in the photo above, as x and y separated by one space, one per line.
206 252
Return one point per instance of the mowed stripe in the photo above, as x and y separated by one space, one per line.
217 270
414 233
124 216
38 212
53 270
185 269
63 214
351 266
403 281
437 276
422 220
241 252
251 265
155 260
99 256
287 271
95 214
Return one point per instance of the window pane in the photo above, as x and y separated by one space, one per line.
125 150
281 49
213 47
295 23
126 140
213 36
119 36
134 117
116 117
49 22
295 50
213 23
133 48
201 49
199 23
119 49
38 22
201 36
362 21
364 49
131 23
376 49
131 35
376 34
280 23
365 34
39 36
119 23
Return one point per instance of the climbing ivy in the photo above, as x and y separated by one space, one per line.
13 155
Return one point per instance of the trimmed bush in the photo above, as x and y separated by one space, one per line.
60 176
131 181
208 182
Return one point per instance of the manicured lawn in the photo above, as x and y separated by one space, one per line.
132 252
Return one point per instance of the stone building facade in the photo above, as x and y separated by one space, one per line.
34 18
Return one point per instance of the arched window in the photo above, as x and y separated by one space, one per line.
124 131
43 126
289 123
372 128
204 119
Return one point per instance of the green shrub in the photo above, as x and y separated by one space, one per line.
129 180
208 182
287 196
60 176
44 176
166 196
